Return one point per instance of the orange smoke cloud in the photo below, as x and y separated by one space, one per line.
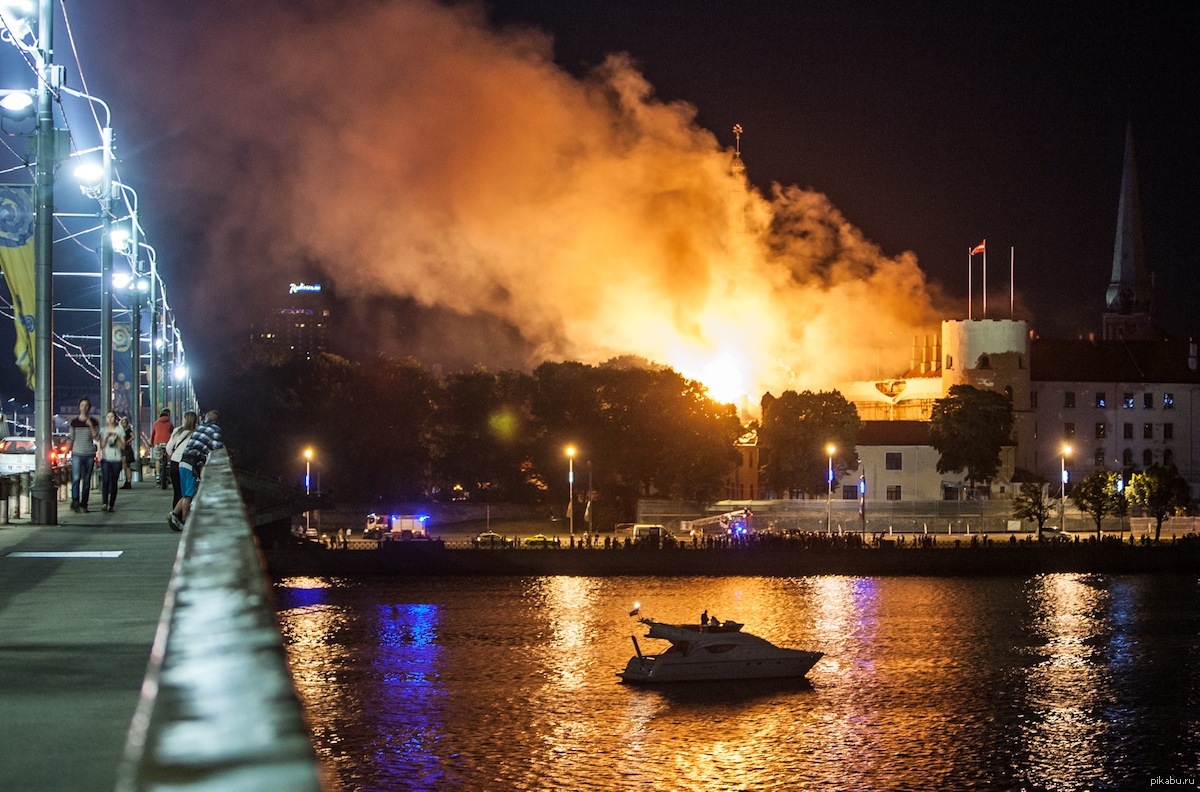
411 148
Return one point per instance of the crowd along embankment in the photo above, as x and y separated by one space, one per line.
1023 559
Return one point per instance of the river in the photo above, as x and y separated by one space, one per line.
1059 681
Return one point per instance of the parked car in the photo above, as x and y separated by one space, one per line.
541 540
17 455
490 539
1053 534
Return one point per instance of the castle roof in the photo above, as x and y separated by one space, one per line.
1160 361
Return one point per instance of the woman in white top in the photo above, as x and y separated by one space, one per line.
175 448
112 450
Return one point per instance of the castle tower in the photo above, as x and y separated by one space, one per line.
1128 299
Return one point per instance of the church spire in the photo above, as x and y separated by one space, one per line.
1128 297
737 167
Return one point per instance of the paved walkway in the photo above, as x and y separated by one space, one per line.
75 637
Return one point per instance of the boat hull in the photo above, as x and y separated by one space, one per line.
665 668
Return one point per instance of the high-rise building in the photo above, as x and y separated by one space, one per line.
298 319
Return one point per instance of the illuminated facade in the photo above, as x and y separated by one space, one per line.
1121 405
298 321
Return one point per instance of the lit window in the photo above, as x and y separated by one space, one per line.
1127 401
1168 401
893 492
893 460
1101 400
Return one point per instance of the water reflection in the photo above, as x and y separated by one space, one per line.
1059 681
1069 682
407 710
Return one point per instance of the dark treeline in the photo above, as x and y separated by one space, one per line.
387 431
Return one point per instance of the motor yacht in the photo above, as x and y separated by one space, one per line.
713 651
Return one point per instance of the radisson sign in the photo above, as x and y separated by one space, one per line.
300 288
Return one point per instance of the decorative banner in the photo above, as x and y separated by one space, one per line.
16 258
122 340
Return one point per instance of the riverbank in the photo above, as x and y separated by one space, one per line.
1023 559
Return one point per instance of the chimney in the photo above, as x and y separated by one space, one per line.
913 362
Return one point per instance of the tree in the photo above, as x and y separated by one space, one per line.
968 428
480 437
795 431
643 428
1031 503
1097 495
1158 491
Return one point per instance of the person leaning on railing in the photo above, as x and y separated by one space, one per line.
204 440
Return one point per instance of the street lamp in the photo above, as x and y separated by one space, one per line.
37 44
830 450
308 455
1062 492
571 488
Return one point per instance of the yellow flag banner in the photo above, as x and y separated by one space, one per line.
16 258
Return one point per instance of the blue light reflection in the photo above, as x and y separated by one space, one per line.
408 710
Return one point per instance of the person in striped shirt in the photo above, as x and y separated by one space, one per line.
84 431
206 438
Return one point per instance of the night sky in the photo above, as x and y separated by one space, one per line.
930 126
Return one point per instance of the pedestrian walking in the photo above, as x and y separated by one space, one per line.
203 441
174 452
160 433
84 431
127 453
112 455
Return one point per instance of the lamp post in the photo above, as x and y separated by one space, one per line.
829 449
97 182
43 493
308 455
1062 492
571 489
140 287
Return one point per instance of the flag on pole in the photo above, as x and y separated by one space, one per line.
16 258
980 248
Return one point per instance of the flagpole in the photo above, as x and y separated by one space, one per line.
985 281
970 295
1012 288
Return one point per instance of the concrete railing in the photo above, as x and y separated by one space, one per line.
218 709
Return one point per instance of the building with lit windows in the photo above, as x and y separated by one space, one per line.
298 320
